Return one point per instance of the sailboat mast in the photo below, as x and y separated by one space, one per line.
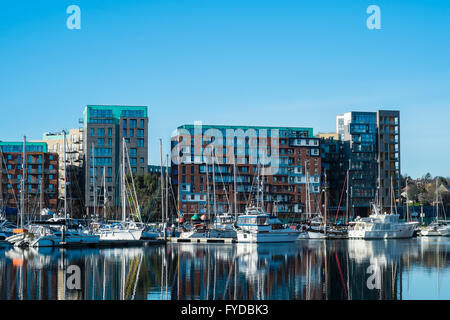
325 208
167 187
94 173
207 190
123 181
22 194
258 186
162 181
262 189
235 191
347 202
407 207
65 175
308 203
214 181
437 199
104 192
392 198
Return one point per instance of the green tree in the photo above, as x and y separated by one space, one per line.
148 190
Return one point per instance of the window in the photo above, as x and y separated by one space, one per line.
50 157
140 143
109 142
109 132
101 132
142 160
133 123
133 152
92 132
124 123
124 133
142 123
131 133
101 142
140 133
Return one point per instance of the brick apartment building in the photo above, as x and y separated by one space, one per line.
291 150
40 172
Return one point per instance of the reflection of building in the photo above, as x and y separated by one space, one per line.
41 176
105 127
289 150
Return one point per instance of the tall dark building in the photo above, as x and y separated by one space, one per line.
372 153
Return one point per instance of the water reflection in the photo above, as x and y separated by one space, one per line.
340 269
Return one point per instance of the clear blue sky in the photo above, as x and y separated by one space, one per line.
287 63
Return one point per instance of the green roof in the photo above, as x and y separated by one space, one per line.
18 146
112 112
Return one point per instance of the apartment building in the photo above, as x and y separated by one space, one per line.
271 166
372 154
105 130
40 176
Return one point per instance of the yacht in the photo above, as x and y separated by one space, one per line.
436 228
45 235
119 231
380 226
257 226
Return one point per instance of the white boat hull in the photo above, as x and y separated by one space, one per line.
120 235
53 241
405 231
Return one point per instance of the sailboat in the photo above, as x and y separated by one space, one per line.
125 230
436 228
313 228
318 227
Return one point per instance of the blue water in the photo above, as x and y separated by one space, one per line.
308 269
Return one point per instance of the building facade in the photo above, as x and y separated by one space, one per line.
371 143
105 130
332 153
271 165
74 160
40 177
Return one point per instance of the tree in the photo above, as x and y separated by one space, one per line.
412 191
148 190
427 177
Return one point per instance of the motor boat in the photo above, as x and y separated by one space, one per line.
380 226
256 226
